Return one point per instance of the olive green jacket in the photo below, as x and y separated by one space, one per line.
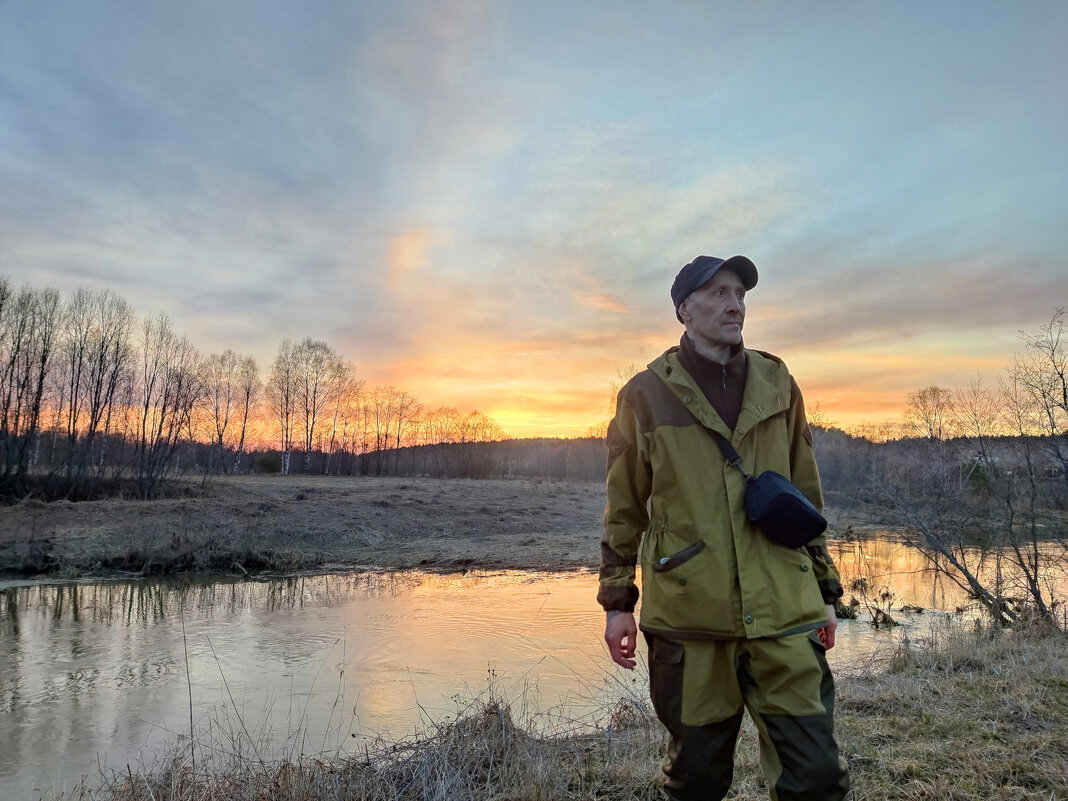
677 508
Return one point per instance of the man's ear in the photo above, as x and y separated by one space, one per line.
684 313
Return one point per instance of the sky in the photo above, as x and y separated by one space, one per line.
485 203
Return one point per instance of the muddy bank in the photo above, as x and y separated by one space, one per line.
251 523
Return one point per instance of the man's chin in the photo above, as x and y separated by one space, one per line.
732 335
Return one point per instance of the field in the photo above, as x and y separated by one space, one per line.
249 523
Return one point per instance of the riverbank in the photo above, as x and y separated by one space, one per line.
244 524
958 716
240 524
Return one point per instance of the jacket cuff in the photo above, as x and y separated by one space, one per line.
617 599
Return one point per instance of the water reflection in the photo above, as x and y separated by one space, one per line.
300 664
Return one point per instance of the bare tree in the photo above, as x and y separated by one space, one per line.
1027 526
1041 372
474 429
979 423
929 412
383 411
221 391
249 388
819 418
281 396
347 392
28 330
231 388
317 373
95 363
622 376
407 410
168 387
440 426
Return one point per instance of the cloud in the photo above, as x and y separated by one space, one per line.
601 302
897 303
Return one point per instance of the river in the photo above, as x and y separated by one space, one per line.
98 676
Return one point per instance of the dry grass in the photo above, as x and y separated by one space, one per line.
483 753
958 716
961 716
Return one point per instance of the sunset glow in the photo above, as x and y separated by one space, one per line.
485 203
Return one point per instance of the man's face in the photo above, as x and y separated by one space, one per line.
714 312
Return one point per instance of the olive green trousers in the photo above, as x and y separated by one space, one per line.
700 690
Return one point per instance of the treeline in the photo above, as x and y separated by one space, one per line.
579 459
94 400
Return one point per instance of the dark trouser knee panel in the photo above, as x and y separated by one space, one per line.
700 763
811 770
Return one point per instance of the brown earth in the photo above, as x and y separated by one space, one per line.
248 523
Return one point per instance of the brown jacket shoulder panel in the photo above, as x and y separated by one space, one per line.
654 404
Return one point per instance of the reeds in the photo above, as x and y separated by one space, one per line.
959 716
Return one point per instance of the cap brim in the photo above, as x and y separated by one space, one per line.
744 268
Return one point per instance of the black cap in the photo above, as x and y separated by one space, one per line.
695 274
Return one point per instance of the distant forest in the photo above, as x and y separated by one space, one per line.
92 397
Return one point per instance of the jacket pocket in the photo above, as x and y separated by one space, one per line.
676 560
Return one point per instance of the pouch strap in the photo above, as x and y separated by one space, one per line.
729 453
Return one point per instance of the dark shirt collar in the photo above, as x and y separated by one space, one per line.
722 384
695 363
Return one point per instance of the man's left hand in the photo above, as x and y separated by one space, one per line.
832 624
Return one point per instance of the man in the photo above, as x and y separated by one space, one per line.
732 620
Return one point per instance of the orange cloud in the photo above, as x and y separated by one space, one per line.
602 302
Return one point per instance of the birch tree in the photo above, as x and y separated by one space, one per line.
249 388
318 373
281 398
930 412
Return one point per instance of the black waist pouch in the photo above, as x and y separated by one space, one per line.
778 508
781 510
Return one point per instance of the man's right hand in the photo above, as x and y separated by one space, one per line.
621 634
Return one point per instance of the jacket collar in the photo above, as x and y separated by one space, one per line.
767 391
